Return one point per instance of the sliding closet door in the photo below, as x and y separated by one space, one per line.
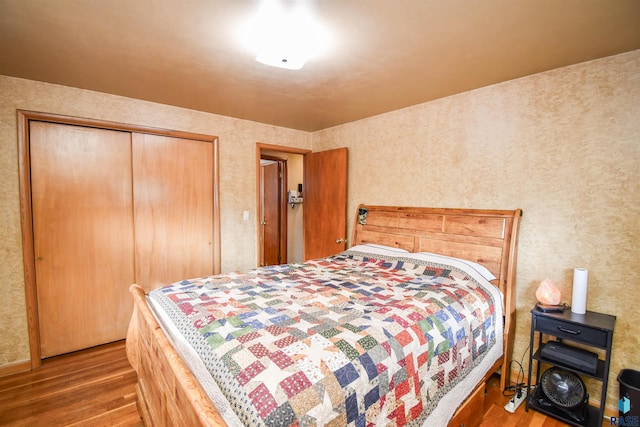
83 234
173 209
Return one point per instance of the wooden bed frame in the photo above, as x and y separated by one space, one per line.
168 393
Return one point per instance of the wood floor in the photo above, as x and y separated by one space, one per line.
96 387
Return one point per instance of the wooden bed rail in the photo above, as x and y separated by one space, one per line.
168 394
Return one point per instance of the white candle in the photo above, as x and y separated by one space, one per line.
579 298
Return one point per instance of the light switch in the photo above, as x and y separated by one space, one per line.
245 215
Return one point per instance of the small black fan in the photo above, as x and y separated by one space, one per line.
566 391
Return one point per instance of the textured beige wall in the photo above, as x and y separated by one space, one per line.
562 145
237 179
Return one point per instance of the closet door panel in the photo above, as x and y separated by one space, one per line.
173 209
83 234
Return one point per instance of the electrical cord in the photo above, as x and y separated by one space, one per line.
517 388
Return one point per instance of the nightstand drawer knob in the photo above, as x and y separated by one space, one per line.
568 331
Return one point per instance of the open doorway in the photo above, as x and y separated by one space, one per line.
316 222
279 224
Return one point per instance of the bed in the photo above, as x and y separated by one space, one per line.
397 330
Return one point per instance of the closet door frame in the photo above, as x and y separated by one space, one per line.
26 215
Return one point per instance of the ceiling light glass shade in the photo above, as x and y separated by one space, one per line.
284 38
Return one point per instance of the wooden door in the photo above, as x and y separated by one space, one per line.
325 203
173 209
83 234
270 214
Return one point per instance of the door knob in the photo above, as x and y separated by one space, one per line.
340 240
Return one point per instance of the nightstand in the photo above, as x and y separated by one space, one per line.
567 328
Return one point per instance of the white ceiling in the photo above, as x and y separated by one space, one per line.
387 54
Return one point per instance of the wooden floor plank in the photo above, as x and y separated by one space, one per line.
65 384
94 387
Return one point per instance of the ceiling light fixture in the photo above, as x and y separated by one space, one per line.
284 37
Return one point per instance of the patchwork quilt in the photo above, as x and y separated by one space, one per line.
354 339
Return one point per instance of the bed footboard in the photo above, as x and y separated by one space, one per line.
167 391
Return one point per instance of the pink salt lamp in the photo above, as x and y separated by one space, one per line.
548 293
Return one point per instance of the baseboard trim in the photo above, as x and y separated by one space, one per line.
14 368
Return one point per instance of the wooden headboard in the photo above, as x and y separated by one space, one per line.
488 237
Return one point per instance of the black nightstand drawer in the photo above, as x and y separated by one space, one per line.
572 331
